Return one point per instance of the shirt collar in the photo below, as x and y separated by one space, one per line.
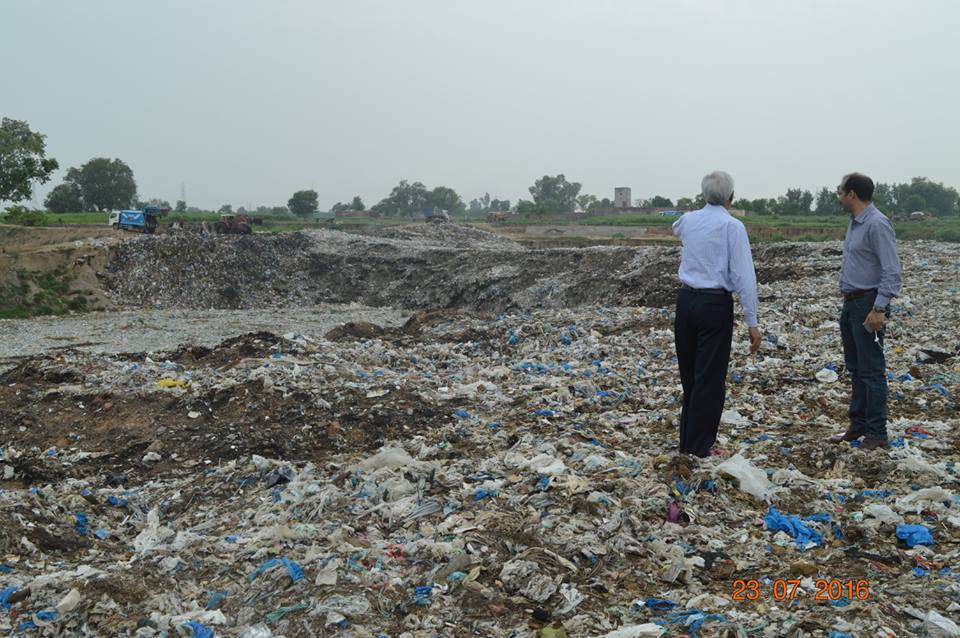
862 217
716 207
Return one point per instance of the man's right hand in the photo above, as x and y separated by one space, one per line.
754 339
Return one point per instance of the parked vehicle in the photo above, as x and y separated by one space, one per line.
435 215
234 225
138 221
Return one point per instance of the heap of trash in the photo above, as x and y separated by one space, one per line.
415 267
504 475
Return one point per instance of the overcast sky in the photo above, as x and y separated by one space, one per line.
247 101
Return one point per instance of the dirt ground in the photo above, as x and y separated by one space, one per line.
79 252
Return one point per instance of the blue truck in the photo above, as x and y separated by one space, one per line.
139 221
435 215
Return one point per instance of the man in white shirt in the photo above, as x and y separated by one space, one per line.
715 262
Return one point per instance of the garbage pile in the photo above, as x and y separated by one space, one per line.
513 475
417 267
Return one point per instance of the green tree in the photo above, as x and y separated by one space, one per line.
885 198
106 184
404 200
22 160
685 202
604 205
914 203
585 201
827 202
526 207
181 206
660 202
303 203
226 209
500 205
64 198
937 198
447 199
357 203
555 194
794 202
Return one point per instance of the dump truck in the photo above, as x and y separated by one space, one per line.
138 221
435 215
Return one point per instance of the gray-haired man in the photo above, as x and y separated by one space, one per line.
716 260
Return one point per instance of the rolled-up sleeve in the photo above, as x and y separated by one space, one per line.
742 274
676 227
884 242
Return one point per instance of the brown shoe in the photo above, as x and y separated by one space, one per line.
873 444
848 436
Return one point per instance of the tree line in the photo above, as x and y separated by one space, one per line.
919 194
108 184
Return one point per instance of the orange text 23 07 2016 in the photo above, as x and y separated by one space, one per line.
779 589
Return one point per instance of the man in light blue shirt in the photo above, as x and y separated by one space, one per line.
869 278
716 261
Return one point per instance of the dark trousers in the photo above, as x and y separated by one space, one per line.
703 332
864 360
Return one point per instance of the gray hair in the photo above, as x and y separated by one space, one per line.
717 188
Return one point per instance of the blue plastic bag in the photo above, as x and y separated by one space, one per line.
293 568
914 535
659 604
793 526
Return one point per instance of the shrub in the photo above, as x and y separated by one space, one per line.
22 216
950 234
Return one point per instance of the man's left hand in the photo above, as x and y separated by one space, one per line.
875 321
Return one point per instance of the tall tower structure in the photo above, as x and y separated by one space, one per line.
621 197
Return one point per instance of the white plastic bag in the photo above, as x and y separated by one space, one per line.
752 479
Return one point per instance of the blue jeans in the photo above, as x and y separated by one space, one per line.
864 360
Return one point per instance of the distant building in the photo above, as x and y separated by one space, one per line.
621 197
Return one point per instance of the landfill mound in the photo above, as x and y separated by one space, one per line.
510 475
451 235
417 267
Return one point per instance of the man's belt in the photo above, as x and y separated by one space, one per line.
706 291
857 294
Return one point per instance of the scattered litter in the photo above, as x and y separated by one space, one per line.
483 468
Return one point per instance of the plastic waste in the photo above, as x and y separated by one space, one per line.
389 457
294 570
646 630
69 602
259 630
827 375
913 535
153 535
937 626
792 525
752 479
173 383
